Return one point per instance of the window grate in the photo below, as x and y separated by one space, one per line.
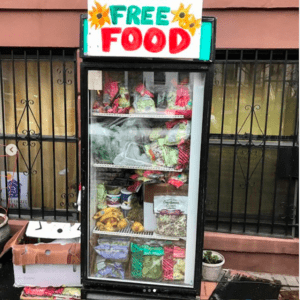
252 169
38 108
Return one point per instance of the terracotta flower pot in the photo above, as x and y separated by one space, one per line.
211 272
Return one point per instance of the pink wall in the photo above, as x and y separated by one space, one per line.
240 23
260 29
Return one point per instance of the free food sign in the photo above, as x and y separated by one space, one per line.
140 28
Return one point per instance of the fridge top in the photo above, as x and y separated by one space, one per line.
115 39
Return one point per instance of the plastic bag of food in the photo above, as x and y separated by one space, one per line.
162 155
111 270
170 212
178 96
114 249
174 262
132 155
146 260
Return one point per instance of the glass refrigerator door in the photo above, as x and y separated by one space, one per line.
144 161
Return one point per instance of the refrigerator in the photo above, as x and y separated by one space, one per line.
144 149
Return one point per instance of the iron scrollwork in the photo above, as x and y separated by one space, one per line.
66 71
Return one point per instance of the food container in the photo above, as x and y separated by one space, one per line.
126 197
113 189
114 206
113 199
125 209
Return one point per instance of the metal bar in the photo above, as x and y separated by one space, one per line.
28 133
3 128
279 139
53 135
235 140
76 124
249 61
264 144
45 138
16 126
290 177
41 132
221 144
66 133
254 222
254 137
37 212
250 142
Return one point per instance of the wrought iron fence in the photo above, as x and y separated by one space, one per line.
38 112
253 149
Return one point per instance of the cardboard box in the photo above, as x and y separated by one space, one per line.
45 264
151 190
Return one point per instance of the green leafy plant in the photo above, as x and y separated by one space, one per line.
209 258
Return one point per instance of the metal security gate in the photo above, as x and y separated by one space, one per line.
38 113
253 151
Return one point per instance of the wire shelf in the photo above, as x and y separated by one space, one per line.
150 116
127 232
154 168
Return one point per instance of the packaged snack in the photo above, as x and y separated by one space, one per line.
146 260
170 212
116 249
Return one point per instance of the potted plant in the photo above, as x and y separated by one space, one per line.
212 263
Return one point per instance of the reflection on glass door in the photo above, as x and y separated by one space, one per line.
144 162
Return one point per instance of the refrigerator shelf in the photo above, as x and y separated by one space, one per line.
127 232
166 169
148 116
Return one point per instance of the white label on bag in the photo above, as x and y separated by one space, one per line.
170 202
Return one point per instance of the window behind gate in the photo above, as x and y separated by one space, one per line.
253 149
38 114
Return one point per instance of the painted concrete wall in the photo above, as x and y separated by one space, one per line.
240 24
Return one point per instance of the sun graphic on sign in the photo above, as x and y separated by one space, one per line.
181 14
192 24
99 15
186 20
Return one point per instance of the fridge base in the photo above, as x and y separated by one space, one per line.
96 294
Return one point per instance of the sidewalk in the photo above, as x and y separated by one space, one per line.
290 284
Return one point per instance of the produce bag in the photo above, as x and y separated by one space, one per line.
170 212
113 249
146 260
174 262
